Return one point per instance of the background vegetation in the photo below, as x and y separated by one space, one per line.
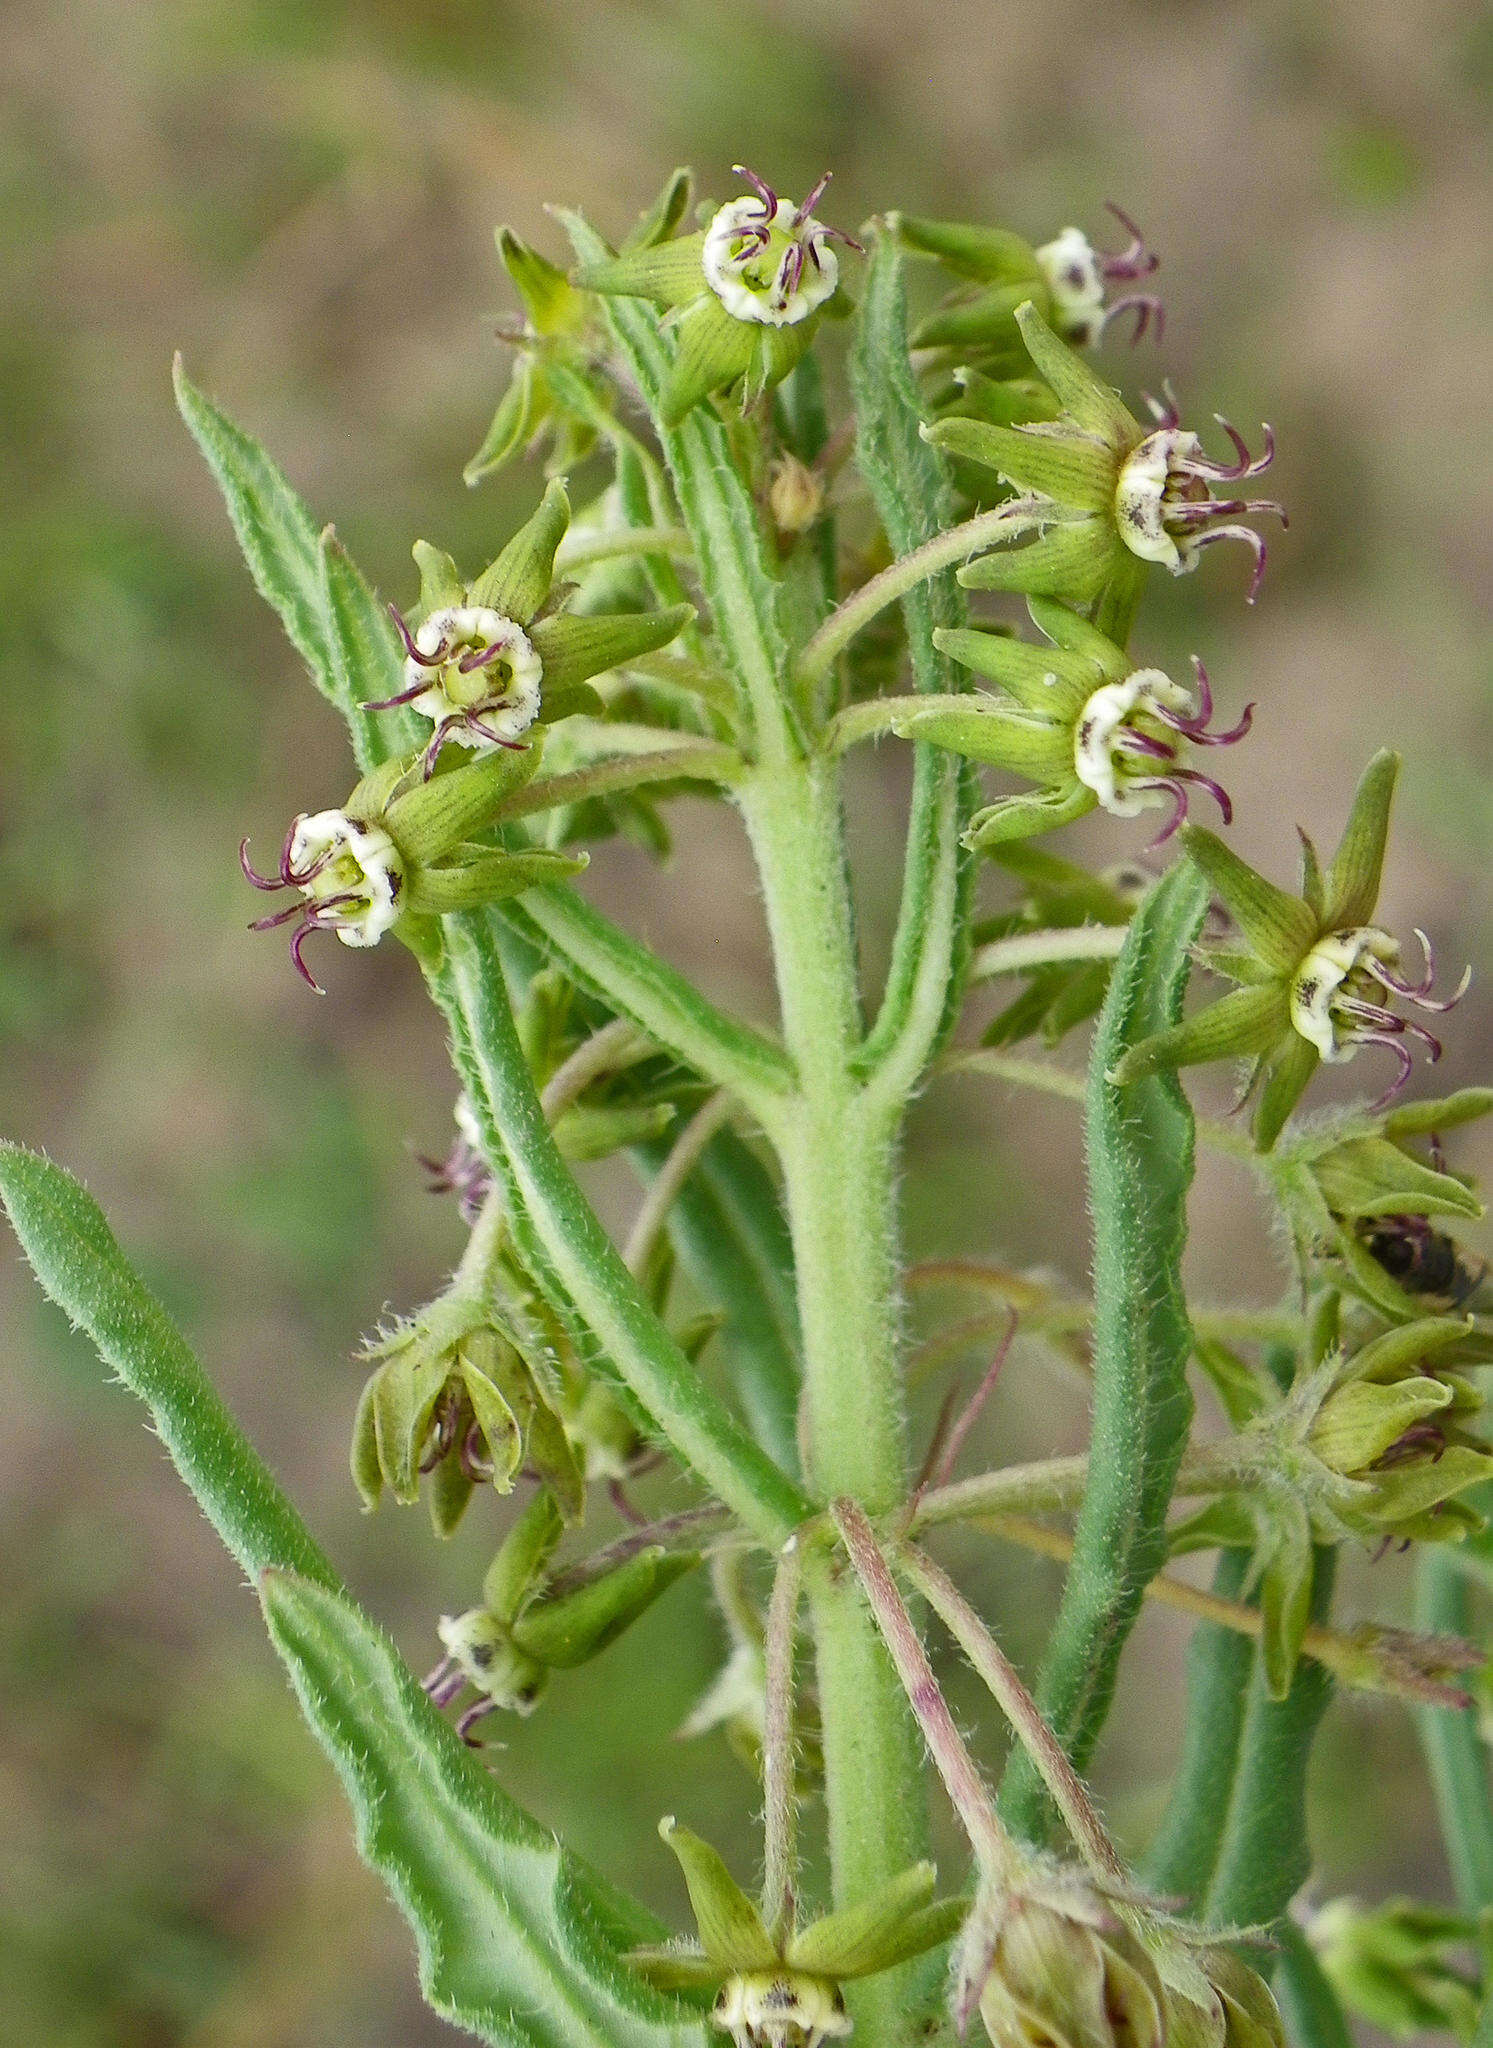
300 196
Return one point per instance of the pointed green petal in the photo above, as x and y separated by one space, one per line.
1039 678
1021 817
670 274
518 582
1004 401
1416 1119
574 648
1285 1084
982 317
553 304
1397 1352
1239 1026
427 821
489 878
1092 403
522 1556
1373 1177
1069 630
677 1969
999 735
1285 1597
440 580
1069 468
985 254
577 1626
1352 882
712 352
1312 893
776 353
854 1941
1278 927
731 1929
520 411
1072 560
664 215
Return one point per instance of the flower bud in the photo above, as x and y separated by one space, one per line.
1392 1964
795 496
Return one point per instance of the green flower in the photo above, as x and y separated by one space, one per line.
780 1988
1067 279
1392 1964
746 291
1359 1197
528 1626
1317 979
1048 1960
399 852
1077 718
484 666
1102 494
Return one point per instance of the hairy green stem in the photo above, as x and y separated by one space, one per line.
1026 950
944 551
1053 1485
1456 1755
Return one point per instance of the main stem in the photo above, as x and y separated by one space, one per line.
837 1158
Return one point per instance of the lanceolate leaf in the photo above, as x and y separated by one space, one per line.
910 486
1140 1142
516 1942
77 1260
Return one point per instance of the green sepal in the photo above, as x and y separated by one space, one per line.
518 582
731 1929
448 1496
1277 927
1240 1025
553 304
1286 1081
668 273
432 817
1069 468
440 580
372 793
587 1132
570 700
778 351
1224 1524
864 1938
1417 1119
1076 635
1313 889
1004 401
1039 678
488 877
424 937
1351 884
1095 407
712 352
982 254
1359 1421
662 218
575 647
974 319
1370 1176
575 1627
998 734
494 1414
520 413
1073 559
677 1969
1285 1594
363 1458
522 1557
1023 816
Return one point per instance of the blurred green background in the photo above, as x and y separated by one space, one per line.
300 196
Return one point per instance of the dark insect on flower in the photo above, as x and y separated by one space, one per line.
1423 1260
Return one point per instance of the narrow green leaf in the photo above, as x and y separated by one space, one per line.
278 536
636 983
366 659
913 497
65 1236
728 1229
1308 2003
1263 1853
1140 1147
1182 1855
1456 1756
580 1259
513 1936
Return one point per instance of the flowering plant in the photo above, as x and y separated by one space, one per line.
728 613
